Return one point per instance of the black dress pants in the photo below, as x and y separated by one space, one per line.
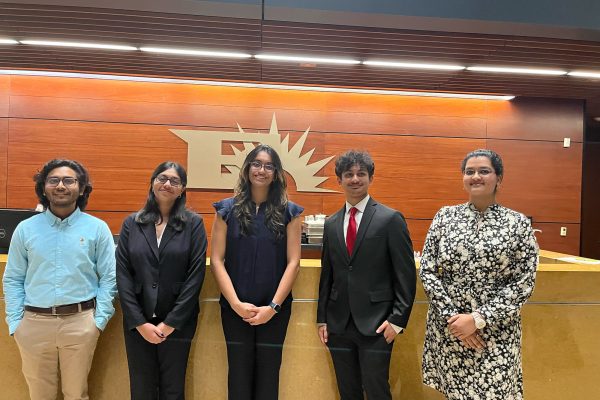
254 355
157 371
361 362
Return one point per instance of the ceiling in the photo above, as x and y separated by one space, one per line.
143 28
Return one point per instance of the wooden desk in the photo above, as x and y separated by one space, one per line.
561 356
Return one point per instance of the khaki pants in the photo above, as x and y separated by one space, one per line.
48 343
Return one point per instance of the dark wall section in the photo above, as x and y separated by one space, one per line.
590 195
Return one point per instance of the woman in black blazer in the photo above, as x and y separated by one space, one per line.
161 260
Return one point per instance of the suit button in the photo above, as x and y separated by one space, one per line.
154 285
350 268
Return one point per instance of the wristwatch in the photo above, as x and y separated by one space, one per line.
276 307
479 321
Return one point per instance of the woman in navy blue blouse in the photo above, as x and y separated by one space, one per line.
255 259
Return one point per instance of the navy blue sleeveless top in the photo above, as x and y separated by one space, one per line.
256 262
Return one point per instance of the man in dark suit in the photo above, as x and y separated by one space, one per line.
367 286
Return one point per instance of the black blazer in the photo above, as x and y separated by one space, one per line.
377 282
165 281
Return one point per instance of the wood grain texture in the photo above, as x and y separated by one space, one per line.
142 92
120 132
416 175
251 119
3 159
535 119
5 81
541 179
550 239
590 212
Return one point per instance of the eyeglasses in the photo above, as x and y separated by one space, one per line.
481 172
256 164
54 181
162 179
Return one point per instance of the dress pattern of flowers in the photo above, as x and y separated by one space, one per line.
484 262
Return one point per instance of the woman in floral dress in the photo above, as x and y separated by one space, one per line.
478 268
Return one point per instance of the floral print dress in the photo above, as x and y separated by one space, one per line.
484 262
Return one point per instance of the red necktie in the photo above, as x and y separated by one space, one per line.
351 232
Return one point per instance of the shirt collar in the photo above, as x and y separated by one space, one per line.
361 205
54 220
493 207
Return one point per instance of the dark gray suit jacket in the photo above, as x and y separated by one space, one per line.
377 282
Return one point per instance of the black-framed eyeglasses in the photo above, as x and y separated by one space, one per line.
481 172
257 164
162 179
54 181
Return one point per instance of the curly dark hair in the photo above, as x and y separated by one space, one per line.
351 158
277 199
83 178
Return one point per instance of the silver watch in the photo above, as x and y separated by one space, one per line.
479 321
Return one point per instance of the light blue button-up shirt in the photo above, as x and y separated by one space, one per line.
53 262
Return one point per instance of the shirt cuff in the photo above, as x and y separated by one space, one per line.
397 328
101 323
320 324
12 327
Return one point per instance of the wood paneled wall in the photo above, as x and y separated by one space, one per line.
120 131
590 213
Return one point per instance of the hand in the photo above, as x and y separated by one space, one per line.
244 310
323 334
151 333
165 329
475 341
461 325
388 331
262 315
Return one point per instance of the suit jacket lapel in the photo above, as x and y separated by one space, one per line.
339 230
149 232
364 224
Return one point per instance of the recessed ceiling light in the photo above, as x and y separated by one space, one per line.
200 53
447 67
510 70
585 74
77 44
8 41
302 59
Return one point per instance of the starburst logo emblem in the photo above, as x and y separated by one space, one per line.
208 168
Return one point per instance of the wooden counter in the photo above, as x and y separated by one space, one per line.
561 356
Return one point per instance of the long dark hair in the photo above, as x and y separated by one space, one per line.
83 179
276 203
150 213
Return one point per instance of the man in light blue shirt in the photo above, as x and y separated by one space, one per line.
59 284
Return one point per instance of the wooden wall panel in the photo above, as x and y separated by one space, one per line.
536 119
590 213
550 239
417 175
132 92
541 179
4 95
3 159
248 118
120 131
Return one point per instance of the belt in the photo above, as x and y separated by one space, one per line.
64 309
